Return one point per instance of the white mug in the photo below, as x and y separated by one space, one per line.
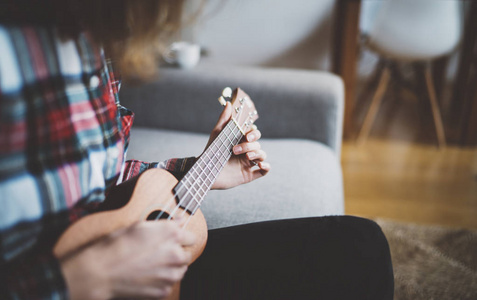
185 55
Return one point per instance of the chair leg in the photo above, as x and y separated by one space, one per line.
436 112
374 107
371 84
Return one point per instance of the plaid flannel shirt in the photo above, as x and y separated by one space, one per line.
63 139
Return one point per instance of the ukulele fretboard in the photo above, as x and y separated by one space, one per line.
191 190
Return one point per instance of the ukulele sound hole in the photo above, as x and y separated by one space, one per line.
154 215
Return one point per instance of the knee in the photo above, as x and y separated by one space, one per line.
375 252
362 237
366 232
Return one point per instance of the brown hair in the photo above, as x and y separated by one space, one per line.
132 32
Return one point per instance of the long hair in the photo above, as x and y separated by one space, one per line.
132 32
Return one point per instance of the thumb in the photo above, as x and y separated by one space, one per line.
223 119
263 169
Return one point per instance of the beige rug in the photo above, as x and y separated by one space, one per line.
432 263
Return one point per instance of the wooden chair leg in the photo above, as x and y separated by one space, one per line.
374 107
370 86
436 112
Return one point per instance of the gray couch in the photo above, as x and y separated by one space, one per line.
301 116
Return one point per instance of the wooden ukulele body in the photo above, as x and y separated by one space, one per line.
153 191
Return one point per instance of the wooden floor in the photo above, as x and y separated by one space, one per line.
410 182
399 173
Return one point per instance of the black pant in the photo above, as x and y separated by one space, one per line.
339 257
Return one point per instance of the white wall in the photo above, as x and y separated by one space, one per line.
294 34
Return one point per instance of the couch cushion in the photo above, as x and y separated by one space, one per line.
305 179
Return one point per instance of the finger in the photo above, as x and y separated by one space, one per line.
177 256
264 166
246 147
158 289
187 238
253 135
166 276
177 274
257 156
175 233
263 169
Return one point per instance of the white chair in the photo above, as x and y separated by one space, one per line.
414 31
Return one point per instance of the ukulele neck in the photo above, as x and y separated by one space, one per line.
192 189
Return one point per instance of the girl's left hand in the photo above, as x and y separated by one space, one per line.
248 159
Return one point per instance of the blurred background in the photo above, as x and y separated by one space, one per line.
409 68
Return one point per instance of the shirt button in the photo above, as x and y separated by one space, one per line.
94 82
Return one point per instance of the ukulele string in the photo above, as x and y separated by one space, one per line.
199 202
212 180
188 192
236 135
239 136
172 201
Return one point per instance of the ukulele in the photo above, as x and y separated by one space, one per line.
156 194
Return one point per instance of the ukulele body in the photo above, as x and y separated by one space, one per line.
152 191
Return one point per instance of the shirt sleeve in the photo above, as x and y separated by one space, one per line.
132 168
33 276
176 166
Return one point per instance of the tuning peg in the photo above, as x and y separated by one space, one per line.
222 101
227 92
244 99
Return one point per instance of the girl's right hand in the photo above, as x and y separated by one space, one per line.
143 261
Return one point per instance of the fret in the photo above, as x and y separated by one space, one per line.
238 134
208 181
214 162
199 182
192 189
229 139
209 165
201 190
214 147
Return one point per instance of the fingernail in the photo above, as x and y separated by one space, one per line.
250 137
238 149
251 155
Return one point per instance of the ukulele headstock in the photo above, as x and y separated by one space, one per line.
244 113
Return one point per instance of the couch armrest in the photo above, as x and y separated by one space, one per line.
290 103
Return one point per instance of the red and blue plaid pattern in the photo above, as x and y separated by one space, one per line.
63 137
